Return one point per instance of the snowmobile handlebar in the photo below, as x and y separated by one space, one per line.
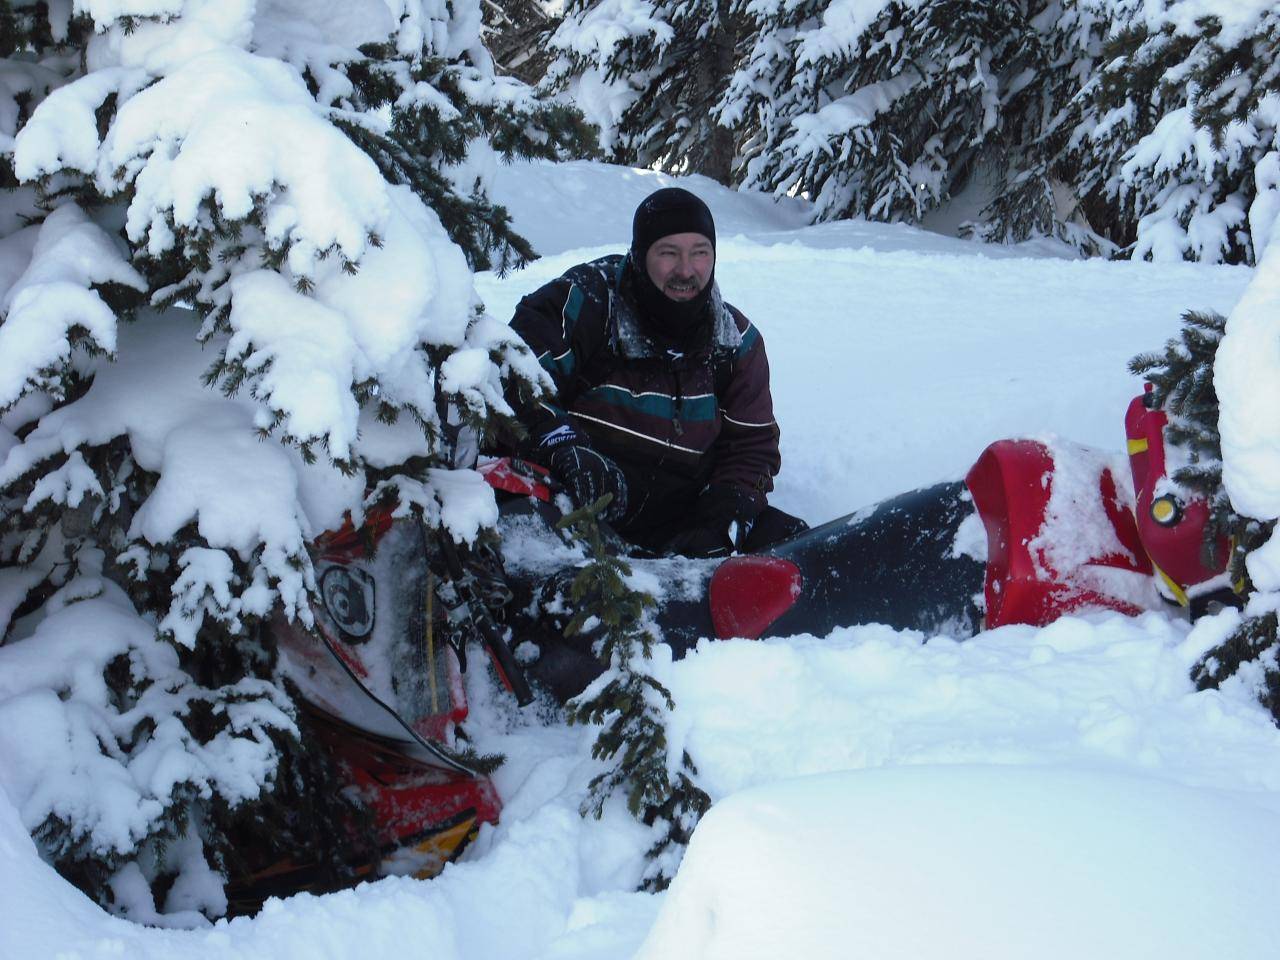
509 671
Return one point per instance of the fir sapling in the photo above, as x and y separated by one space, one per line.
629 705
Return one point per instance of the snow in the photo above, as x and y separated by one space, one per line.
167 139
53 297
589 37
382 275
243 495
1029 792
842 25
1064 842
1236 17
1249 397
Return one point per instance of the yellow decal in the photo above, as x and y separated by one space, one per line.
1137 446
1178 593
440 848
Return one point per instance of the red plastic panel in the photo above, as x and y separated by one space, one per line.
1011 485
516 476
749 593
1176 548
347 543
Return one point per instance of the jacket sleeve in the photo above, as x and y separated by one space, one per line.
547 320
746 452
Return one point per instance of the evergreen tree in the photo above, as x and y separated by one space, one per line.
1107 123
651 76
1034 164
888 111
1179 133
234 279
894 115
630 705
516 33
1117 126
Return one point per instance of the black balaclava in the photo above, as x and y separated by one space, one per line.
667 211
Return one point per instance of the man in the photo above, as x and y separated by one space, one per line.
661 391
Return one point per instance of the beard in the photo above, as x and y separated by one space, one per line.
680 322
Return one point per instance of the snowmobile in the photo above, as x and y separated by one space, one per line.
1034 531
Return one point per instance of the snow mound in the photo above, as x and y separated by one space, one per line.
571 206
957 862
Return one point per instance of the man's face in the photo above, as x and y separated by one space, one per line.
680 264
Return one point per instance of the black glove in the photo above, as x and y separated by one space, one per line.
587 476
701 542
721 519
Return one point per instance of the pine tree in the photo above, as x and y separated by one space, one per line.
1179 132
651 77
1107 123
888 112
629 704
1034 165
516 33
234 271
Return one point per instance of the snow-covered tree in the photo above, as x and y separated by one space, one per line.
236 243
1108 123
650 74
1033 165
1180 128
889 109
516 33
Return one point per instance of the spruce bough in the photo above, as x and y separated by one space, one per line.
629 704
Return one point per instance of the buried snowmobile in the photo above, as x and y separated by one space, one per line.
1033 532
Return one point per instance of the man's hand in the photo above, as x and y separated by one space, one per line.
587 476
721 519
700 542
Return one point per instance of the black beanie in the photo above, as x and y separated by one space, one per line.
667 211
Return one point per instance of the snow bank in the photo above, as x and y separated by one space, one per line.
511 906
1106 692
1029 780
1108 766
970 861
585 204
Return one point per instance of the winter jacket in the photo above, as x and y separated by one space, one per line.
674 420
